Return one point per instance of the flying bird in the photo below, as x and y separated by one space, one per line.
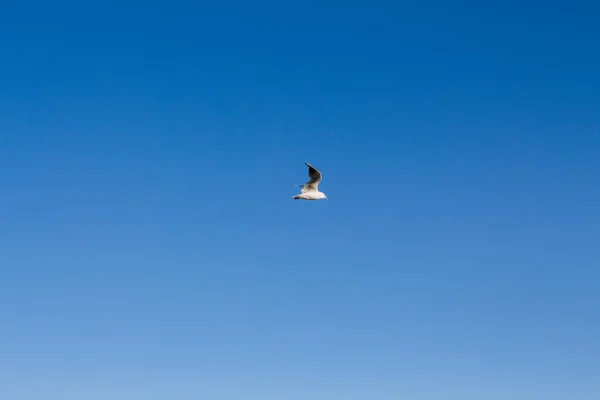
310 190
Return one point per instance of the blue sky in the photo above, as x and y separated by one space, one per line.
150 247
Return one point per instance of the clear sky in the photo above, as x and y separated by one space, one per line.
150 247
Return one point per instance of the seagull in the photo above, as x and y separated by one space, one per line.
310 190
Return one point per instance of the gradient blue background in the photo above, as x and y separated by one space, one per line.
150 247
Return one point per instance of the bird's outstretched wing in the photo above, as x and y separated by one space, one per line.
315 177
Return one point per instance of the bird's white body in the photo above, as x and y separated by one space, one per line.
310 190
313 195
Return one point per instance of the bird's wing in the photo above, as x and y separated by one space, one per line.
315 178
